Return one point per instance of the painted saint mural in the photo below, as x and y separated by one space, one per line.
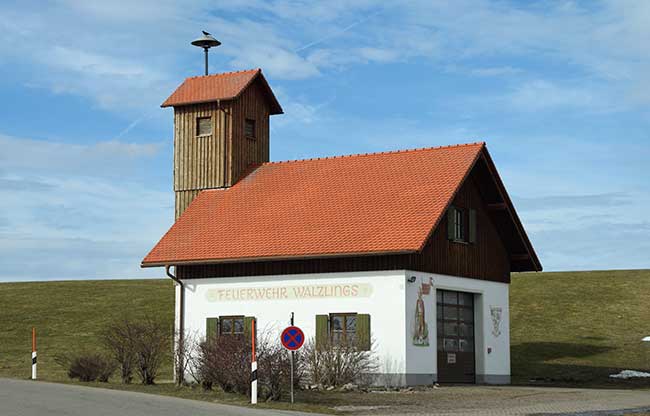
420 327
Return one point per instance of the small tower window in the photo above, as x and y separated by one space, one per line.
249 128
203 126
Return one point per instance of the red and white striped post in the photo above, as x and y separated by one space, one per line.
33 353
253 366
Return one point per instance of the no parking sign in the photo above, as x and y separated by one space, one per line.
292 338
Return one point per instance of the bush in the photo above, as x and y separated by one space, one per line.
224 361
335 365
138 345
151 340
88 366
274 368
185 350
117 338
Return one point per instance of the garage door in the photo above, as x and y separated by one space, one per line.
455 329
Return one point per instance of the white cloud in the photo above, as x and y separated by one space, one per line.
95 159
132 55
72 211
541 95
495 71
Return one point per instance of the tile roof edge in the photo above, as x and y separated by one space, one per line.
482 144
466 174
241 71
257 71
144 263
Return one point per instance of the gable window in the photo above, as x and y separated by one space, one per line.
249 128
459 224
231 325
203 126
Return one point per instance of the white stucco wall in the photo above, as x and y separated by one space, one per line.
493 367
380 294
387 296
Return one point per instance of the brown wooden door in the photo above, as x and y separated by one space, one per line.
455 329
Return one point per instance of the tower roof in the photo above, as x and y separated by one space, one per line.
224 86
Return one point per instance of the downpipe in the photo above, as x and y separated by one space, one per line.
181 323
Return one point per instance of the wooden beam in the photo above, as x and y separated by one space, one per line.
501 206
520 257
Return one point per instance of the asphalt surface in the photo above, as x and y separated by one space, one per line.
30 398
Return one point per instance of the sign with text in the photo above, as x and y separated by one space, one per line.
308 291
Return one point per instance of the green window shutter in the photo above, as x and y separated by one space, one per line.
472 226
211 328
363 332
451 222
322 331
248 324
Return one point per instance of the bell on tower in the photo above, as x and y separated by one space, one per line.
221 129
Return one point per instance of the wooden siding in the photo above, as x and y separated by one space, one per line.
183 200
219 159
199 161
252 104
487 259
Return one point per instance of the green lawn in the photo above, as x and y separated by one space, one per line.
69 316
579 327
569 327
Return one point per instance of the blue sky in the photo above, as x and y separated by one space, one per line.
559 90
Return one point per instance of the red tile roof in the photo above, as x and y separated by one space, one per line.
362 204
225 86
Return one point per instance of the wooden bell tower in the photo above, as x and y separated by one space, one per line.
221 130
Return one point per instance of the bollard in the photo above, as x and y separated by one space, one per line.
33 353
253 366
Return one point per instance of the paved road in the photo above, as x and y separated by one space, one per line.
29 398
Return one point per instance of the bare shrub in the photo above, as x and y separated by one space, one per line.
87 366
224 361
186 349
118 339
274 368
150 342
390 375
331 364
138 346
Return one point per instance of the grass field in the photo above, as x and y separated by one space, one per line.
69 316
579 327
570 327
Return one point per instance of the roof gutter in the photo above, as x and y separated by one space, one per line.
162 263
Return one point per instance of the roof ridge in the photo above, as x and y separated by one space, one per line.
386 152
241 71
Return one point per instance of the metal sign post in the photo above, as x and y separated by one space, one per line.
291 380
292 339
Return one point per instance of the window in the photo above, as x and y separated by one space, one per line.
459 224
249 128
343 327
203 126
231 325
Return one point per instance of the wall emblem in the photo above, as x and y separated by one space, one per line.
420 327
497 314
